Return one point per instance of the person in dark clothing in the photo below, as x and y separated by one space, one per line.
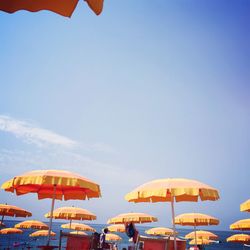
103 244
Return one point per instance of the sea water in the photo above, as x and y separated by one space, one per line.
21 241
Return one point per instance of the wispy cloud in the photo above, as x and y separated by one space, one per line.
34 134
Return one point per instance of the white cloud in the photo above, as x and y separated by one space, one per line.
33 134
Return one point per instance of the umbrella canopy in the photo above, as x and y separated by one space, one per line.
42 233
245 206
10 230
34 224
78 227
72 213
200 242
67 185
77 232
13 211
132 217
239 238
202 234
160 231
243 225
195 219
170 190
112 237
61 7
54 184
117 228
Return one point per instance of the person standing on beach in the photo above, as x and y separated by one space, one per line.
103 244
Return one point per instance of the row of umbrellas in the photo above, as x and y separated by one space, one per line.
55 184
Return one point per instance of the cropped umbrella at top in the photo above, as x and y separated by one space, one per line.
61 7
170 190
53 184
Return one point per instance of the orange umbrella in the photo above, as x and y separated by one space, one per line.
13 211
168 190
112 237
11 230
202 234
195 219
245 206
243 225
164 231
61 7
42 233
34 224
117 228
132 217
77 232
239 238
200 242
78 227
54 184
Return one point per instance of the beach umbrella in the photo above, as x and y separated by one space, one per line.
112 237
132 217
243 225
53 184
13 211
195 219
61 7
9 231
200 241
34 224
170 190
202 234
245 206
162 231
78 227
239 238
78 232
116 228
42 233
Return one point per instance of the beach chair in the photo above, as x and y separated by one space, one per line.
76 242
149 243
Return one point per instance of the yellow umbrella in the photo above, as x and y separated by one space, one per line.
34 224
13 211
243 225
112 237
62 7
77 232
160 231
245 206
200 242
239 238
42 233
117 228
202 234
195 219
11 230
168 190
78 227
132 217
54 184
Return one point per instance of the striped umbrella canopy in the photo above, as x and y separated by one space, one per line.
243 225
245 206
61 7
239 238
11 230
117 228
78 227
34 224
200 242
132 217
112 237
202 234
42 233
163 231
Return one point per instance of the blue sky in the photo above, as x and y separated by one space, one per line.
146 90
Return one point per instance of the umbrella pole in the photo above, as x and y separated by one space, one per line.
51 213
2 220
195 241
173 216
